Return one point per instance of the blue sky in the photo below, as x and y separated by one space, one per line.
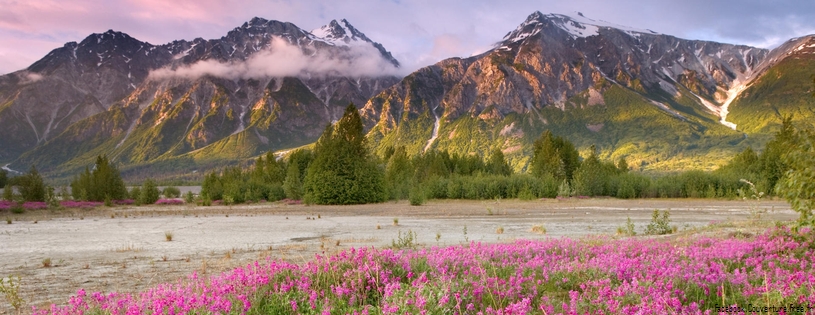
418 32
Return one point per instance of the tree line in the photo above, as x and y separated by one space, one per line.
341 169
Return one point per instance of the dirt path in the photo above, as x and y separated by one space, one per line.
125 249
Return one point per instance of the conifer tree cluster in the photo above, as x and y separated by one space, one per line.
343 171
102 183
236 185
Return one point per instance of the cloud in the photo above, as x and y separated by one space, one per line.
27 77
413 30
282 59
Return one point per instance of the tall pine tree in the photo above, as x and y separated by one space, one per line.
554 156
104 182
31 186
343 172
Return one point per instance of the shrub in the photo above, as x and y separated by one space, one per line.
135 193
660 224
408 240
8 193
416 196
171 192
31 186
189 197
149 192
628 229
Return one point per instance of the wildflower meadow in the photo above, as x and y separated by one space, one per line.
771 272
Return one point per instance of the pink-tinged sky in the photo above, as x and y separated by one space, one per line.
418 32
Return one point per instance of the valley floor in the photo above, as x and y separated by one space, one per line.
125 249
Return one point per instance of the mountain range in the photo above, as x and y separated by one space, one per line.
170 110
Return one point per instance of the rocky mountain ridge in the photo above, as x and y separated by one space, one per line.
662 102
113 94
591 81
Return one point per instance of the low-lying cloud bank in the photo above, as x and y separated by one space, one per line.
282 59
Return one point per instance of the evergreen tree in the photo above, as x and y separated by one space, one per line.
149 192
398 173
798 184
497 165
554 156
343 172
593 176
772 164
212 187
293 186
8 192
622 165
303 159
135 194
104 182
32 187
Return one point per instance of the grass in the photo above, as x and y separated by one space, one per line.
127 248
538 229
499 230
168 236
395 221
46 262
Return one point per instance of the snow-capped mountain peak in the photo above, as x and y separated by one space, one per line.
339 33
576 25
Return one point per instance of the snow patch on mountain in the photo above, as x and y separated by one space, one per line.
576 25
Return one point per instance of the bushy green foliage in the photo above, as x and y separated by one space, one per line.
629 185
135 194
554 156
263 182
798 184
8 192
398 174
293 185
593 177
189 197
497 164
343 171
149 192
416 196
660 223
171 192
491 187
31 186
405 241
628 229
104 182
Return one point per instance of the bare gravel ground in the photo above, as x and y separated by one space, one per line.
126 249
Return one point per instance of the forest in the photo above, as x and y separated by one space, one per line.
341 169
